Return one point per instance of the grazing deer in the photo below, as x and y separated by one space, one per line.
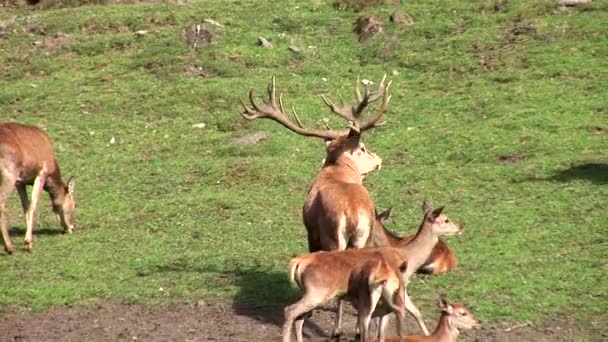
454 316
27 158
337 212
441 260
362 278
332 269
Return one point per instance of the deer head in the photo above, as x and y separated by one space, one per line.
458 315
341 146
64 208
440 223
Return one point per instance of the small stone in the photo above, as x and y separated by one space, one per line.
294 49
213 22
250 139
113 141
401 19
141 33
199 125
263 42
573 2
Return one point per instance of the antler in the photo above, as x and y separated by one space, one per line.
270 111
353 113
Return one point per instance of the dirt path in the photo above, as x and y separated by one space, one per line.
214 322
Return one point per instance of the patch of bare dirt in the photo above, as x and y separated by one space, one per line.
219 322
50 45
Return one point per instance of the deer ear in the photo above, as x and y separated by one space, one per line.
427 205
71 185
385 215
443 304
435 214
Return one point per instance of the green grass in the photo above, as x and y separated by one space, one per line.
173 207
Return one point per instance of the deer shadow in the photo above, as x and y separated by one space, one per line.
596 173
262 296
20 231
262 292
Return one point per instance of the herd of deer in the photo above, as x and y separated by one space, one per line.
352 255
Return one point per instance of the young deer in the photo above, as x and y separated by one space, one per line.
327 273
454 316
27 158
337 212
417 251
441 260
362 278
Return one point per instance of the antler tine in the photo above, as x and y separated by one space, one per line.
272 93
271 110
250 114
357 92
345 112
373 122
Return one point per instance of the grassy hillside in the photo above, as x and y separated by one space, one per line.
498 112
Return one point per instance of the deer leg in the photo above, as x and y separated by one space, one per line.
297 311
299 324
7 184
412 309
365 314
383 321
25 201
337 331
37 189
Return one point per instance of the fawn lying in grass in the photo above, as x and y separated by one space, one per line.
454 316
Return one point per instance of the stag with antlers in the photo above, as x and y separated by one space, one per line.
338 212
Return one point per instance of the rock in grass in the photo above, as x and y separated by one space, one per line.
366 27
198 35
401 19
263 42
573 2
250 139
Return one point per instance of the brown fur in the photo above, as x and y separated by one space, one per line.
361 275
441 260
27 158
325 274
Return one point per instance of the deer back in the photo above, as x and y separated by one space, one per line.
26 150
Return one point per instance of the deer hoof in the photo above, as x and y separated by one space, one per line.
10 249
29 246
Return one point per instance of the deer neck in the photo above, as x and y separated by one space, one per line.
348 167
446 331
383 237
420 247
56 189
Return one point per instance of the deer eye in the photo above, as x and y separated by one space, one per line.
447 220
463 313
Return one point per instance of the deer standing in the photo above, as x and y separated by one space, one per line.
326 273
454 316
337 212
27 158
362 276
